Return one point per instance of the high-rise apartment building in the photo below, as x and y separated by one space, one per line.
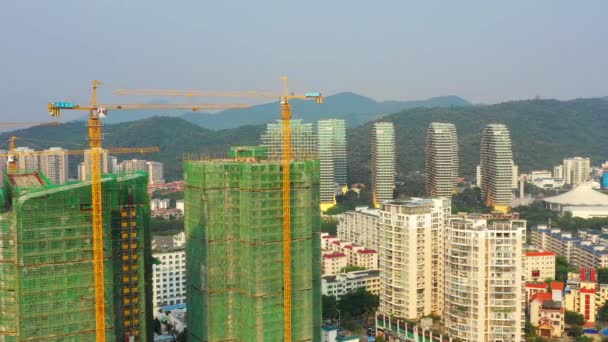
496 167
478 176
234 243
411 256
577 170
514 175
155 172
303 145
113 164
441 159
27 159
132 165
558 171
84 168
47 290
54 164
383 162
360 226
483 280
331 149
169 276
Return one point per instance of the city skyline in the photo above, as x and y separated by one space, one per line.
505 51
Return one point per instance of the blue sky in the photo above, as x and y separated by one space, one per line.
484 51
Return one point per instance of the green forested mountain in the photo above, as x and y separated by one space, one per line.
543 132
174 136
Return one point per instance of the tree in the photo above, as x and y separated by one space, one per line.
602 275
562 267
469 200
156 326
329 306
602 312
576 332
380 339
351 268
574 318
329 225
358 303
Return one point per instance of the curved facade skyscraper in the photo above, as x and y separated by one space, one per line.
496 166
441 159
383 162
331 148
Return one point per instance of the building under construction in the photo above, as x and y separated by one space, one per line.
46 259
234 248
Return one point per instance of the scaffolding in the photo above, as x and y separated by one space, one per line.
46 259
234 248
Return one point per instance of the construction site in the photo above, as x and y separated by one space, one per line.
234 244
47 290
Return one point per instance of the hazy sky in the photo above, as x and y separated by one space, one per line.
484 51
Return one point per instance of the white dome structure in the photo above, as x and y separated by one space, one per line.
581 201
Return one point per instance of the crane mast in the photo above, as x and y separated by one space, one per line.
286 175
287 154
96 112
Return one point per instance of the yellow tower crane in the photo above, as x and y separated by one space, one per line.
96 112
286 168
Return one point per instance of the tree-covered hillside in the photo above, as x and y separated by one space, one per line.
543 132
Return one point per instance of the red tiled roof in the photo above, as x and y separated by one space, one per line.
586 290
544 253
536 285
366 251
542 296
336 242
333 255
348 246
557 285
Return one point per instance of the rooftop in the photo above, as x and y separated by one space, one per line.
541 296
543 253
333 255
582 195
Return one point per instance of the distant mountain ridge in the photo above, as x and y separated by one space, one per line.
354 108
543 133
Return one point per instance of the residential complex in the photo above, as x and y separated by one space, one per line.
303 144
26 159
84 168
331 149
539 266
54 164
46 269
354 255
411 257
589 249
383 162
483 280
169 275
496 167
576 170
558 171
156 173
360 226
441 159
234 245
132 165
343 283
